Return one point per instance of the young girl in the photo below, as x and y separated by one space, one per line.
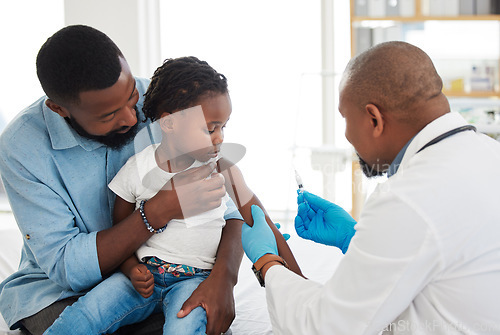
191 103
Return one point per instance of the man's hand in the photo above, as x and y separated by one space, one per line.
259 239
142 279
188 193
324 222
198 189
217 300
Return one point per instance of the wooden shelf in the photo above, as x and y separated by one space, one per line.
483 98
381 21
420 18
475 94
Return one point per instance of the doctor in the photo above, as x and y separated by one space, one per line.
425 255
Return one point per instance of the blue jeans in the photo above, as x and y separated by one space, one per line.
115 303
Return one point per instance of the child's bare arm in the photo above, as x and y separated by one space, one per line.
244 198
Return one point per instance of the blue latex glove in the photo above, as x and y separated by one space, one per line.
259 239
324 222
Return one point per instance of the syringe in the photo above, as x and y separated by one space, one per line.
299 182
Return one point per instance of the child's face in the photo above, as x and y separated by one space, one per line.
198 131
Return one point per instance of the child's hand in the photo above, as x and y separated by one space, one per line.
143 280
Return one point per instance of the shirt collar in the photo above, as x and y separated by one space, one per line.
435 128
393 168
62 136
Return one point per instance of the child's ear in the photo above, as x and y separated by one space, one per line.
166 122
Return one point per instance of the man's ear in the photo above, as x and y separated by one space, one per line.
376 119
57 108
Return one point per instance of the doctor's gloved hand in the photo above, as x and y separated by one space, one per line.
259 239
324 222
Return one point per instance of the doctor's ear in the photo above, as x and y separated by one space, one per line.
376 119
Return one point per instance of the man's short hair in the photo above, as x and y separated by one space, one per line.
75 59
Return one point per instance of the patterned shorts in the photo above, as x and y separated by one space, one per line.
175 269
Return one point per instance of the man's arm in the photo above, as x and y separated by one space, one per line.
46 218
116 244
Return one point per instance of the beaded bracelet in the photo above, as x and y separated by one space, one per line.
146 222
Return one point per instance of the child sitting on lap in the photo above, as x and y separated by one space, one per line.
191 103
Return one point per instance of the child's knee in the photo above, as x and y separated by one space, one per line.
188 286
193 323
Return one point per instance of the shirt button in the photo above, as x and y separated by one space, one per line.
28 236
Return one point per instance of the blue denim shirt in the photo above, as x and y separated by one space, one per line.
57 185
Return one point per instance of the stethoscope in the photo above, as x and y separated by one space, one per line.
448 134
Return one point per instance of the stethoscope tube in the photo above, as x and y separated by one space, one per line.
448 134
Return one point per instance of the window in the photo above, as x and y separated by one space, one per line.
270 51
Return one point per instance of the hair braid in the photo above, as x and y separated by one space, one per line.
179 84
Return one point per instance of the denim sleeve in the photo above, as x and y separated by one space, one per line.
53 241
231 211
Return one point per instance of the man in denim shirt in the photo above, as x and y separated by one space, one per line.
56 160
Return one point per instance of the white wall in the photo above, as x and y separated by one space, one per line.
270 52
132 24
24 25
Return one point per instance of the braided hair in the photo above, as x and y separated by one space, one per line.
180 83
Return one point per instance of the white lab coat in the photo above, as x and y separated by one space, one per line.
425 258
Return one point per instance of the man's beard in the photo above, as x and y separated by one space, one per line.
369 170
114 140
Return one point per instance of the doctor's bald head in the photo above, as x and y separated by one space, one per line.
387 95
395 76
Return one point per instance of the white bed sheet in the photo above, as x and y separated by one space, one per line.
318 263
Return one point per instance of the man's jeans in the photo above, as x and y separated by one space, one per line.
115 303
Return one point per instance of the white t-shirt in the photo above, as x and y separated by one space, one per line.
192 241
425 258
